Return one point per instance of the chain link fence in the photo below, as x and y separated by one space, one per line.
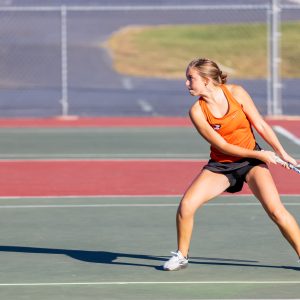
290 58
55 60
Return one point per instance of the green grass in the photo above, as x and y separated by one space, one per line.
165 51
290 50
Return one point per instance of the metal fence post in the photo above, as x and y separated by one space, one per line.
269 63
64 62
274 93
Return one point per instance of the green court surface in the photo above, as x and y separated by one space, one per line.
101 143
108 143
114 247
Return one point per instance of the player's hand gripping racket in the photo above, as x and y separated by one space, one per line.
283 163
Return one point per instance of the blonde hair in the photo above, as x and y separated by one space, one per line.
208 69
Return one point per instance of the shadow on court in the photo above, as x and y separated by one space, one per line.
105 257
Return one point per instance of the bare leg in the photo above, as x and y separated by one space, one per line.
263 187
205 187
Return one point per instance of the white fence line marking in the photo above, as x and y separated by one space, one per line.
135 7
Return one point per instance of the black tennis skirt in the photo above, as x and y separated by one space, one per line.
235 171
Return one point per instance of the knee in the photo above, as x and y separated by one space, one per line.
279 215
186 209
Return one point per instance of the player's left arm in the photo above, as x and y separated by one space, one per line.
261 126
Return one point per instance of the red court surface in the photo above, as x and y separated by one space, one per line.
95 122
115 178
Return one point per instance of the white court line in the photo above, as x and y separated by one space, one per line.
127 83
92 196
123 196
86 205
128 205
104 157
145 106
145 283
105 129
287 134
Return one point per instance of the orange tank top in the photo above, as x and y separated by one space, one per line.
234 127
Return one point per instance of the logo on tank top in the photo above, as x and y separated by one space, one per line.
216 126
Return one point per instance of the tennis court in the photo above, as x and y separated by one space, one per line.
88 210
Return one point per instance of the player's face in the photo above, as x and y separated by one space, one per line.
194 82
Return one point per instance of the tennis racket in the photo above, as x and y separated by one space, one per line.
292 167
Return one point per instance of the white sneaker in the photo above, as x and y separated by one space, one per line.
176 262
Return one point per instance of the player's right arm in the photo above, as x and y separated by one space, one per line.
218 142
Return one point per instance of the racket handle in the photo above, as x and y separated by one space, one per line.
283 163
280 161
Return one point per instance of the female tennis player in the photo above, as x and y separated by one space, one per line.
224 115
